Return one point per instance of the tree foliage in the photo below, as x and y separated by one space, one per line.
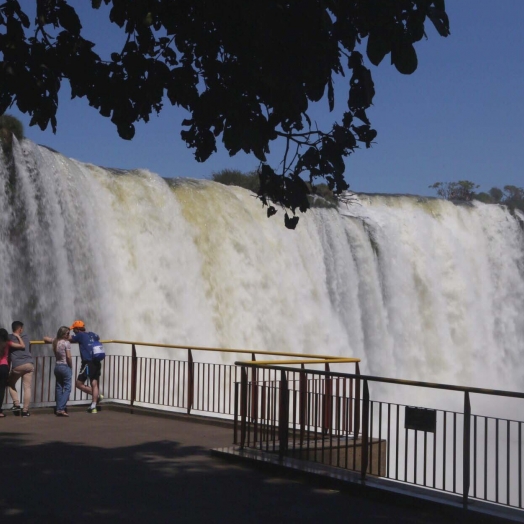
9 126
462 190
246 72
235 177
511 196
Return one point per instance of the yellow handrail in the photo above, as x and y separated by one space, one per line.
321 358
280 362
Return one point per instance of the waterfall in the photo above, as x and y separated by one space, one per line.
418 288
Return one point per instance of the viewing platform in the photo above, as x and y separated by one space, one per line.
287 440
122 467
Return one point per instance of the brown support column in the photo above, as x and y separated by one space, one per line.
302 408
254 399
283 415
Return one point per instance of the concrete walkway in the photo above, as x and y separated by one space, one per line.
117 467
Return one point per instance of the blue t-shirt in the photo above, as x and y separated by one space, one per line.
85 341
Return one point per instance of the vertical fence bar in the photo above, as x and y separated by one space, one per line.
507 461
283 423
326 402
466 450
235 415
133 376
496 460
365 431
254 398
243 406
485 458
302 403
520 464
190 380
475 456
356 424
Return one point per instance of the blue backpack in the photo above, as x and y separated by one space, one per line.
98 352
97 349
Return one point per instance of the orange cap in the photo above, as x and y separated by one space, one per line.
77 324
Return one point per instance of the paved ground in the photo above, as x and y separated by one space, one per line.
114 467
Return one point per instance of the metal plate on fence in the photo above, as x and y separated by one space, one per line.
420 419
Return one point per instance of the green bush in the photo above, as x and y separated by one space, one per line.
12 125
235 177
484 197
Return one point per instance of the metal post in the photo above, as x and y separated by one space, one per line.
134 371
365 432
235 415
326 403
356 425
467 450
243 406
190 381
254 399
302 408
283 418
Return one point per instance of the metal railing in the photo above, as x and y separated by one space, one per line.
317 415
168 383
322 416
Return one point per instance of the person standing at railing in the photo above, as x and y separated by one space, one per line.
63 369
5 345
90 368
22 366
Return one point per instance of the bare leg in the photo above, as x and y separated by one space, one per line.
82 387
94 390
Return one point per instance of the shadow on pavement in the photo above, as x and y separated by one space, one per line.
163 481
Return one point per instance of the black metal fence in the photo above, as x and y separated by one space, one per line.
330 418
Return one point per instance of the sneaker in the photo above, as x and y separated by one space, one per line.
100 398
25 414
15 410
92 411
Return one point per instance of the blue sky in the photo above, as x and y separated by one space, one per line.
459 116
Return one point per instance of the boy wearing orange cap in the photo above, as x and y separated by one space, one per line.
90 368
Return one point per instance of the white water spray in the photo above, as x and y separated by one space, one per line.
418 288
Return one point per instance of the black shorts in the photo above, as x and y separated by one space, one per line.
90 370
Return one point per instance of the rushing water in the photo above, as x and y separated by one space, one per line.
418 288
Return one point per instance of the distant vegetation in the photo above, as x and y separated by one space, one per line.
9 126
464 190
251 181
235 177
13 125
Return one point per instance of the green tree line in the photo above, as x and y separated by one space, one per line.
464 190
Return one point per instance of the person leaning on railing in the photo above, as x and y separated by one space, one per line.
63 369
5 345
90 368
22 366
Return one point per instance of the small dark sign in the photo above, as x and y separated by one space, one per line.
420 419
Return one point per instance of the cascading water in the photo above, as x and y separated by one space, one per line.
418 288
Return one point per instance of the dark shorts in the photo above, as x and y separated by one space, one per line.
90 370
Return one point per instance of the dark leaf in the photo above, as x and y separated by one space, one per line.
69 19
290 223
440 20
404 57
379 45
331 95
